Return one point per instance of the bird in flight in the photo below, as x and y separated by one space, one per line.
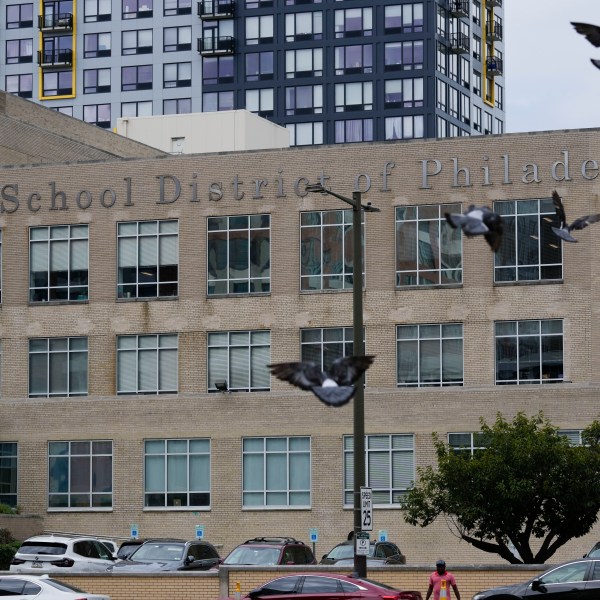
334 387
564 231
479 221
592 35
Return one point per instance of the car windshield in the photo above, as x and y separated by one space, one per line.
347 551
245 555
164 552
50 548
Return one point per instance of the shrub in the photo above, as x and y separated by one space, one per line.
7 551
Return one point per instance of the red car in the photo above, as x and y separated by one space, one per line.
328 586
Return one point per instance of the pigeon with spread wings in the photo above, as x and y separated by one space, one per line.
592 35
564 231
479 221
334 387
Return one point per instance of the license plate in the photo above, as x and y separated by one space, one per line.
36 564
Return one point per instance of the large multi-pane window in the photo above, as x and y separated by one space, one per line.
403 18
353 22
217 101
137 9
147 364
467 444
148 259
259 66
80 474
323 345
259 30
177 7
260 102
137 109
177 106
8 473
529 351
239 254
357 95
276 472
97 10
353 130
58 263
304 100
20 85
96 81
305 134
530 250
402 56
404 128
96 45
218 69
240 359
307 62
137 41
19 16
138 77
177 473
57 83
428 250
429 355
97 114
354 59
403 93
573 435
19 51
389 467
326 250
177 39
58 367
304 26
176 75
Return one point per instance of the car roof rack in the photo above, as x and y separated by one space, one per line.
273 540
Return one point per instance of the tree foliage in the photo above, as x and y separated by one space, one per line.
528 487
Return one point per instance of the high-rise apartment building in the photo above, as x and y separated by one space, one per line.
330 71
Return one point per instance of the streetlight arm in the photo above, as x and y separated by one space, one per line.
319 189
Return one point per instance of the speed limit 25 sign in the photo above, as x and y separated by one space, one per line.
366 509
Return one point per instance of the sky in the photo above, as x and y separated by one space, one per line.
550 81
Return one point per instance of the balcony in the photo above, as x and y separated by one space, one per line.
493 31
493 3
55 58
209 10
215 46
459 43
494 65
56 22
459 8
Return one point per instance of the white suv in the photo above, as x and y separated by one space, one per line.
61 554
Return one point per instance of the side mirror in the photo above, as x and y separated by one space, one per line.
189 560
536 585
324 556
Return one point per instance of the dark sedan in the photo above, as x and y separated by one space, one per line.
386 551
575 580
169 555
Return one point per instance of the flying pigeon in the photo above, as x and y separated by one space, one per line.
592 35
479 221
334 388
564 231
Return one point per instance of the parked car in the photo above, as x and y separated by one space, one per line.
128 547
306 586
271 551
169 555
389 552
594 552
575 580
61 554
42 587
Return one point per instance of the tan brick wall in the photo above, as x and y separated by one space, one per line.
227 418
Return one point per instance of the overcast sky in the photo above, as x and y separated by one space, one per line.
550 83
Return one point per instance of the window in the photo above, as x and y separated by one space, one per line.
324 345
177 39
259 30
465 109
304 63
402 56
354 96
148 259
137 9
326 251
219 69
259 66
97 114
19 51
96 81
304 100
239 254
389 467
442 95
138 41
80 474
428 250
477 83
19 16
453 101
136 78
8 473
57 83
402 128
21 85
353 22
177 473
137 109
293 2
305 134
260 102
476 14
573 435
530 250
442 58
65 110
58 367
465 72
487 120
353 130
403 93
304 26
96 45
476 47
498 96
177 7
147 364
529 351
240 358
353 59
177 106
477 118
429 355
276 472
58 263
97 10
177 75
404 18
216 101
467 444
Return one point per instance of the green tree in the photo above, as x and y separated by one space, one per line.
528 487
